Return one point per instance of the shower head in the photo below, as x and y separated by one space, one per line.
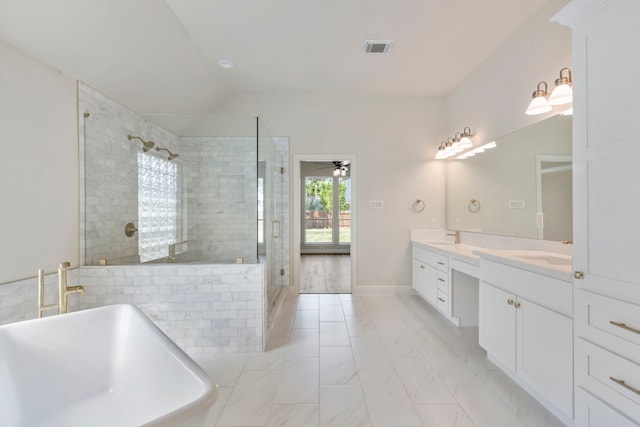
171 155
146 145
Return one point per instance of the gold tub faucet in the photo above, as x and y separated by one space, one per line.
63 290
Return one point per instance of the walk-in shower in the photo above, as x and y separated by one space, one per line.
221 200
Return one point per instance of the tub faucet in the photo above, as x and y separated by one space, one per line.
41 305
456 236
63 290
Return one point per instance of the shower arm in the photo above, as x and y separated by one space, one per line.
146 145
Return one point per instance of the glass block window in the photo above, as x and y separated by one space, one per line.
157 206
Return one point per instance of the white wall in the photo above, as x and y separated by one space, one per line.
492 100
391 138
38 167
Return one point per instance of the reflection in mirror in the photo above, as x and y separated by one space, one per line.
511 185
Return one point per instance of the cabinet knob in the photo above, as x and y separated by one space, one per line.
422 266
578 275
517 304
510 301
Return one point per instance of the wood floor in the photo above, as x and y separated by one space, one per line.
325 274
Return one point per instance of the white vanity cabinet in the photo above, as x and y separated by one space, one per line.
525 325
431 277
606 155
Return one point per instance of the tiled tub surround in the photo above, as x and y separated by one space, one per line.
203 308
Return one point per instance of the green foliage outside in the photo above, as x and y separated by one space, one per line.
319 196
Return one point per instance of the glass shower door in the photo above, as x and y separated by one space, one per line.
270 212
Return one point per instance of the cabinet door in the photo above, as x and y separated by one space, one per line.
497 329
545 353
606 150
419 278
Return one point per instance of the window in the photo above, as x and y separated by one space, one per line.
157 206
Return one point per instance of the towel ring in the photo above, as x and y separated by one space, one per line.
474 205
418 206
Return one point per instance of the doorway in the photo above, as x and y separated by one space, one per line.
324 229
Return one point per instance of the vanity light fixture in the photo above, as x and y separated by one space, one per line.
539 103
465 141
455 145
562 92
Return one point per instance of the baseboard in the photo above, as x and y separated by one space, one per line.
383 290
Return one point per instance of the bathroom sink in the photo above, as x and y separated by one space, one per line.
442 243
550 259
107 366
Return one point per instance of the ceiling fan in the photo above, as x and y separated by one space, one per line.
340 167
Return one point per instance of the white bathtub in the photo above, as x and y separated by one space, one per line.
108 366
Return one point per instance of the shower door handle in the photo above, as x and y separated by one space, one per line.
275 229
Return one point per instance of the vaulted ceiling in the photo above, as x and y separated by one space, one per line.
161 56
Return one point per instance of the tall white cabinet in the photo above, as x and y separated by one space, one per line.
606 151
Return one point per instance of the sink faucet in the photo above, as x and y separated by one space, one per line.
63 290
456 235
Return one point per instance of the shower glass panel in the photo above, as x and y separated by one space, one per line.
270 212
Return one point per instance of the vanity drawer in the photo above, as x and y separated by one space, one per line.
442 301
610 377
443 281
612 323
591 411
441 262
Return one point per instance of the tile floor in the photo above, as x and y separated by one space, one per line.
343 360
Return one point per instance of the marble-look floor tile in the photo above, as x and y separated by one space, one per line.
331 313
360 326
223 368
304 343
309 302
443 416
249 404
334 334
387 400
338 366
218 406
370 354
530 411
484 407
422 382
273 359
401 345
330 300
343 406
306 319
297 415
299 382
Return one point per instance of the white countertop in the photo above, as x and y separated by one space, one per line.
558 266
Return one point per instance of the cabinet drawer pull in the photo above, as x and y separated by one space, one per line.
510 301
442 280
625 385
440 263
516 304
625 327
440 299
422 267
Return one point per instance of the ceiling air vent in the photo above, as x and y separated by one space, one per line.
377 46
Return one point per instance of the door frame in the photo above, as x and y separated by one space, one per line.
296 216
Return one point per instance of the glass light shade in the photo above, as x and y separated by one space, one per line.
562 94
465 142
343 172
538 105
336 172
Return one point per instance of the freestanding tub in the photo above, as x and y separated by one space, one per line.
107 366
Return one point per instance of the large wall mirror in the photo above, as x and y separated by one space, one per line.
520 188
